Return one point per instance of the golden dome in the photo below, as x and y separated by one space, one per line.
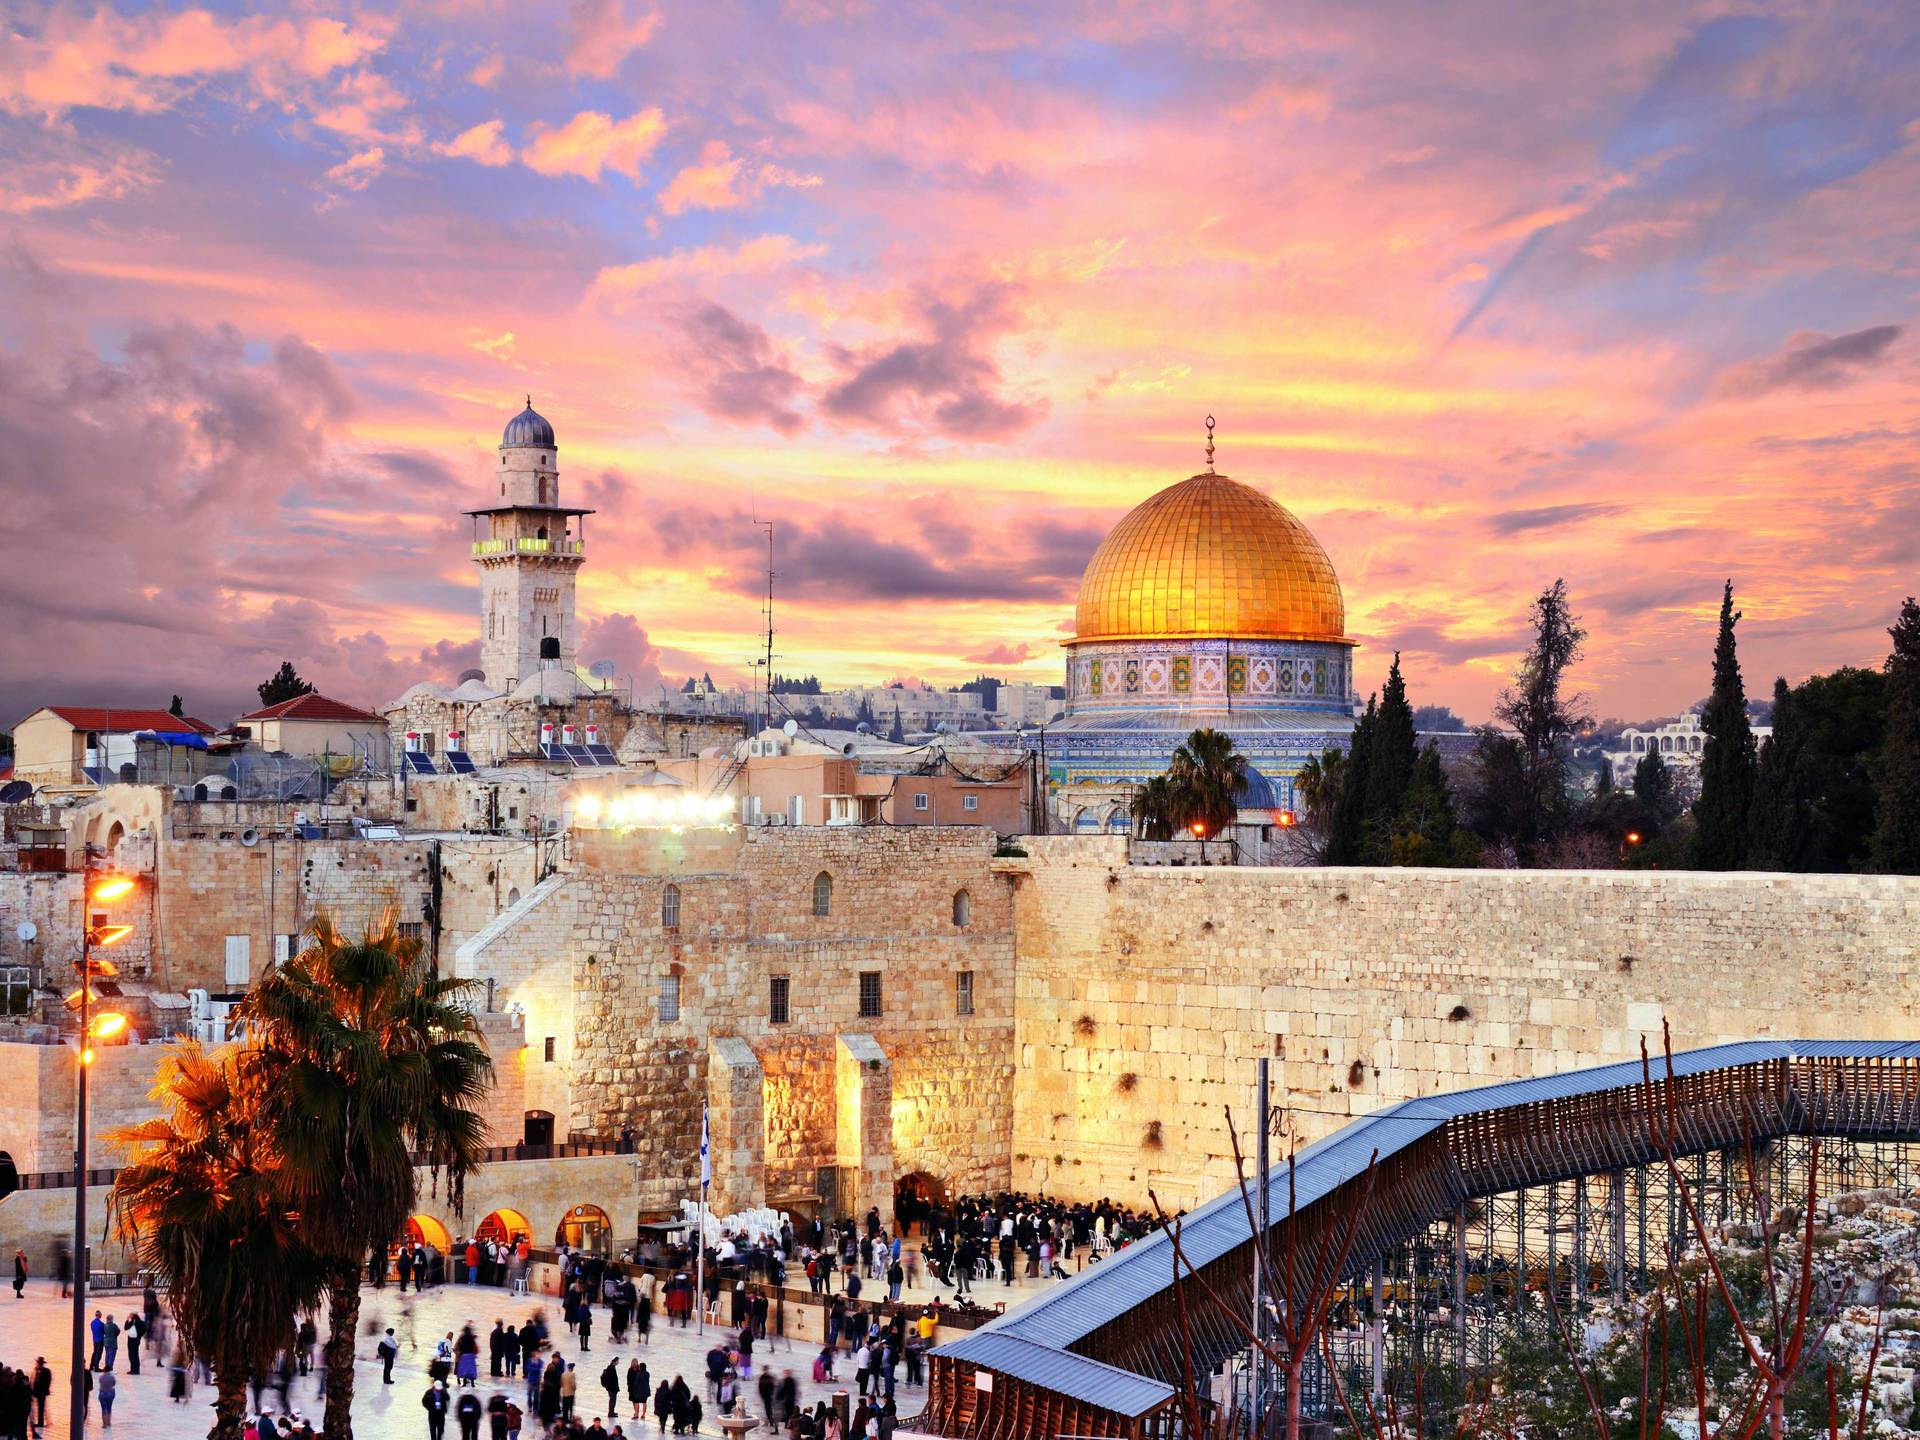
1210 557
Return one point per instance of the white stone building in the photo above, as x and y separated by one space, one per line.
1678 742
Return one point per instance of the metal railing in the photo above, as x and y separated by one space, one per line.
528 545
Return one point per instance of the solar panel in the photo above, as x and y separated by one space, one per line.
578 754
602 754
312 832
420 763
95 773
552 752
460 761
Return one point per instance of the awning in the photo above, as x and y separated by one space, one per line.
175 737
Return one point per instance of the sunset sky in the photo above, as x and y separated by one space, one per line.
1486 293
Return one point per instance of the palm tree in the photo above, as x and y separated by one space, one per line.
199 1202
1209 776
1318 786
369 1059
1152 809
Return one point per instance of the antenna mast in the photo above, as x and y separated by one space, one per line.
767 719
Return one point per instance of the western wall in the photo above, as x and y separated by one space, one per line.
1144 994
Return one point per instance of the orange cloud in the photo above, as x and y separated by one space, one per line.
707 185
482 143
593 142
145 63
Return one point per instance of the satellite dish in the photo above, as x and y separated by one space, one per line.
791 728
26 931
466 675
603 670
14 792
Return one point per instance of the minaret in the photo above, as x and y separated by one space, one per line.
529 550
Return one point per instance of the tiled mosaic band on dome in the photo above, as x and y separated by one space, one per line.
1262 674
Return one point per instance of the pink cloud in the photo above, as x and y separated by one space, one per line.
707 185
1003 655
602 36
482 143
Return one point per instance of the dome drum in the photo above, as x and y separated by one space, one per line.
1209 674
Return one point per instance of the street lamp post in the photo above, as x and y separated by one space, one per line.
92 1027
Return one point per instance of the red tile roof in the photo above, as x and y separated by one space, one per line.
118 721
314 706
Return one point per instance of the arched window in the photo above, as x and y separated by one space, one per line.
670 907
1696 746
823 894
962 907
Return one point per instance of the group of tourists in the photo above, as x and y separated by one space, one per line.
497 1261
979 1238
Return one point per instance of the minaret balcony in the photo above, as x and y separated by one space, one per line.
527 545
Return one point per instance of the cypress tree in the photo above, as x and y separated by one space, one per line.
1390 760
1779 827
1653 785
1603 781
1896 835
1727 761
1347 835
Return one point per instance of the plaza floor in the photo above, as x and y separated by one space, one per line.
40 1324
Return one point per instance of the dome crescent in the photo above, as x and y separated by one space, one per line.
1210 557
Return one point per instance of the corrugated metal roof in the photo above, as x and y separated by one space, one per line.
1091 1381
1073 1310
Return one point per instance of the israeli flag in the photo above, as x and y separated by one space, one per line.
706 1154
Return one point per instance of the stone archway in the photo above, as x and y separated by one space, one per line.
585 1227
915 1195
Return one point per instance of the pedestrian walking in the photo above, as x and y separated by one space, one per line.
109 1388
586 1325
42 1388
569 1390
389 1351
434 1402
99 1330
468 1410
19 1274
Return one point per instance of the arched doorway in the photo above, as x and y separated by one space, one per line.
425 1230
505 1226
585 1227
539 1129
915 1197
9 1174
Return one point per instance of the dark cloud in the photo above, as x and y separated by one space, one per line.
207 520
841 557
1639 599
1814 362
1546 517
739 373
621 638
946 384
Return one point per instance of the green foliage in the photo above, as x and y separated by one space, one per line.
1153 809
178 707
791 685
1728 761
897 732
1208 776
368 1057
1896 836
200 1201
1437 717
1391 803
1524 782
1653 786
1318 786
284 684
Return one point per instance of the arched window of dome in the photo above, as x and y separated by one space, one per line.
962 908
823 894
670 908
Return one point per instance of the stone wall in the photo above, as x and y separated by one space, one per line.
1144 994
592 957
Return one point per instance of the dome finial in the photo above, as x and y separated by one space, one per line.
1210 444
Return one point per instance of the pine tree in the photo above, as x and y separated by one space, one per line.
285 684
1727 760
1603 781
1543 721
1779 827
1896 835
178 708
898 735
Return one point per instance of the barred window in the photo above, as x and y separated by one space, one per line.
669 999
670 907
549 1055
779 990
869 993
416 930
963 993
823 894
